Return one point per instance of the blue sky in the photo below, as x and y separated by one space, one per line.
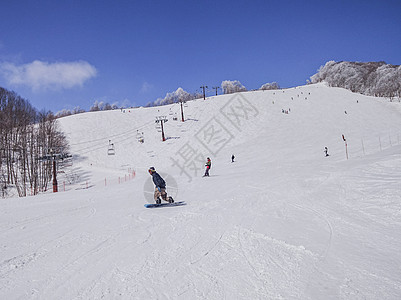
63 54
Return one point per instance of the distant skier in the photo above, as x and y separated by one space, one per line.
160 187
232 158
208 165
326 150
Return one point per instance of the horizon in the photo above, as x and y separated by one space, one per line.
61 55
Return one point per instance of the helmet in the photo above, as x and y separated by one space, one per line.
151 170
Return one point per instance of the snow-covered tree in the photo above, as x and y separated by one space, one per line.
178 95
270 86
63 113
68 112
232 86
107 106
371 78
77 110
174 97
95 106
100 106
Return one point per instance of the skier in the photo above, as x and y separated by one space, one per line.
232 158
208 165
160 187
326 150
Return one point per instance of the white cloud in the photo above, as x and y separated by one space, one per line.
44 75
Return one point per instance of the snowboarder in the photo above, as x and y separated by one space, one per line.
160 187
232 158
326 150
208 165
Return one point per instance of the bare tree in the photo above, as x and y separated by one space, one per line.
26 136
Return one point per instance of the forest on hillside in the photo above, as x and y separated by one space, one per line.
29 142
371 78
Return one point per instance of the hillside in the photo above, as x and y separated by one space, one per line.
281 222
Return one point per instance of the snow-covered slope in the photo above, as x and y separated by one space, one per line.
281 222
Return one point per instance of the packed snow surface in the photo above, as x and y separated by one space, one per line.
282 221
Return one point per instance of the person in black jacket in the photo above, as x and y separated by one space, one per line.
160 187
208 165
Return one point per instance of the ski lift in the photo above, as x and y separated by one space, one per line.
65 160
66 163
111 150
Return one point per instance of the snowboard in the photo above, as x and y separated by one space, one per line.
154 205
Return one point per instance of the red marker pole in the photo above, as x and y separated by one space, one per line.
55 184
